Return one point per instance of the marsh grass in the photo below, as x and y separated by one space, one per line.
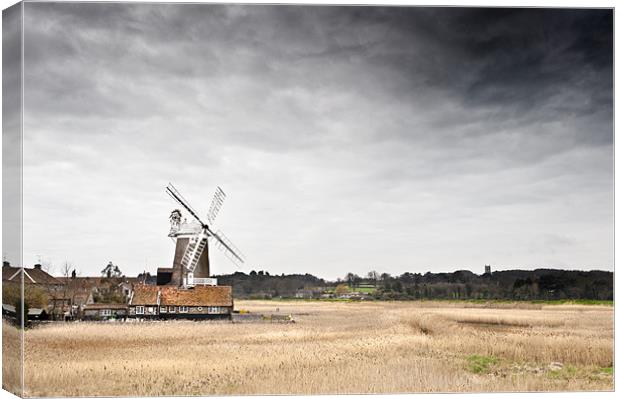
333 347
607 370
11 358
481 364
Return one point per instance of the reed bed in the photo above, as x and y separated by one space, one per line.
333 347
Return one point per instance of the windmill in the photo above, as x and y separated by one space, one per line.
191 258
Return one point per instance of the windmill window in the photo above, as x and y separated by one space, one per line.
150 309
139 309
200 308
182 309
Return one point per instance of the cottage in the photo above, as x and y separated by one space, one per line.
199 302
104 311
81 298
144 301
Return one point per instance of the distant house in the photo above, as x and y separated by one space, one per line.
354 296
146 278
144 301
308 293
199 302
125 287
59 306
36 279
82 291
104 311
33 314
102 287
36 275
81 298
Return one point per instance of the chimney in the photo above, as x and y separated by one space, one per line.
37 266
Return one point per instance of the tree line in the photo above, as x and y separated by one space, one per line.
261 284
539 284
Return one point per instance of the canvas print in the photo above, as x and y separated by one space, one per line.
244 199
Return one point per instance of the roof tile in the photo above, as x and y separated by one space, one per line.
144 295
197 296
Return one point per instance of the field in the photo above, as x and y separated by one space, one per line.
333 347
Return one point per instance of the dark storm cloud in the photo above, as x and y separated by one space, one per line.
507 56
434 126
513 60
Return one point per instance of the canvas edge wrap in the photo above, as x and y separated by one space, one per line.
12 167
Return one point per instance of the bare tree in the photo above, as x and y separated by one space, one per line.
51 289
67 289
59 293
76 285
47 266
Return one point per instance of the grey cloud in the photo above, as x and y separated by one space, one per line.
433 126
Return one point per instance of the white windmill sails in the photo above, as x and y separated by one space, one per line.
216 204
199 240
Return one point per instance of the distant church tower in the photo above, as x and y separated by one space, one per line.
487 269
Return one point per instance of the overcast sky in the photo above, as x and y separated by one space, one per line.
347 139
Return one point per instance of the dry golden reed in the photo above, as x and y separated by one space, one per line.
333 347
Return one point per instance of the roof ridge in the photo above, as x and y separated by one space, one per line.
31 279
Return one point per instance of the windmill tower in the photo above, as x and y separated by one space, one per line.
191 257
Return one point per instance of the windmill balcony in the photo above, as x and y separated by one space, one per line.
201 281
